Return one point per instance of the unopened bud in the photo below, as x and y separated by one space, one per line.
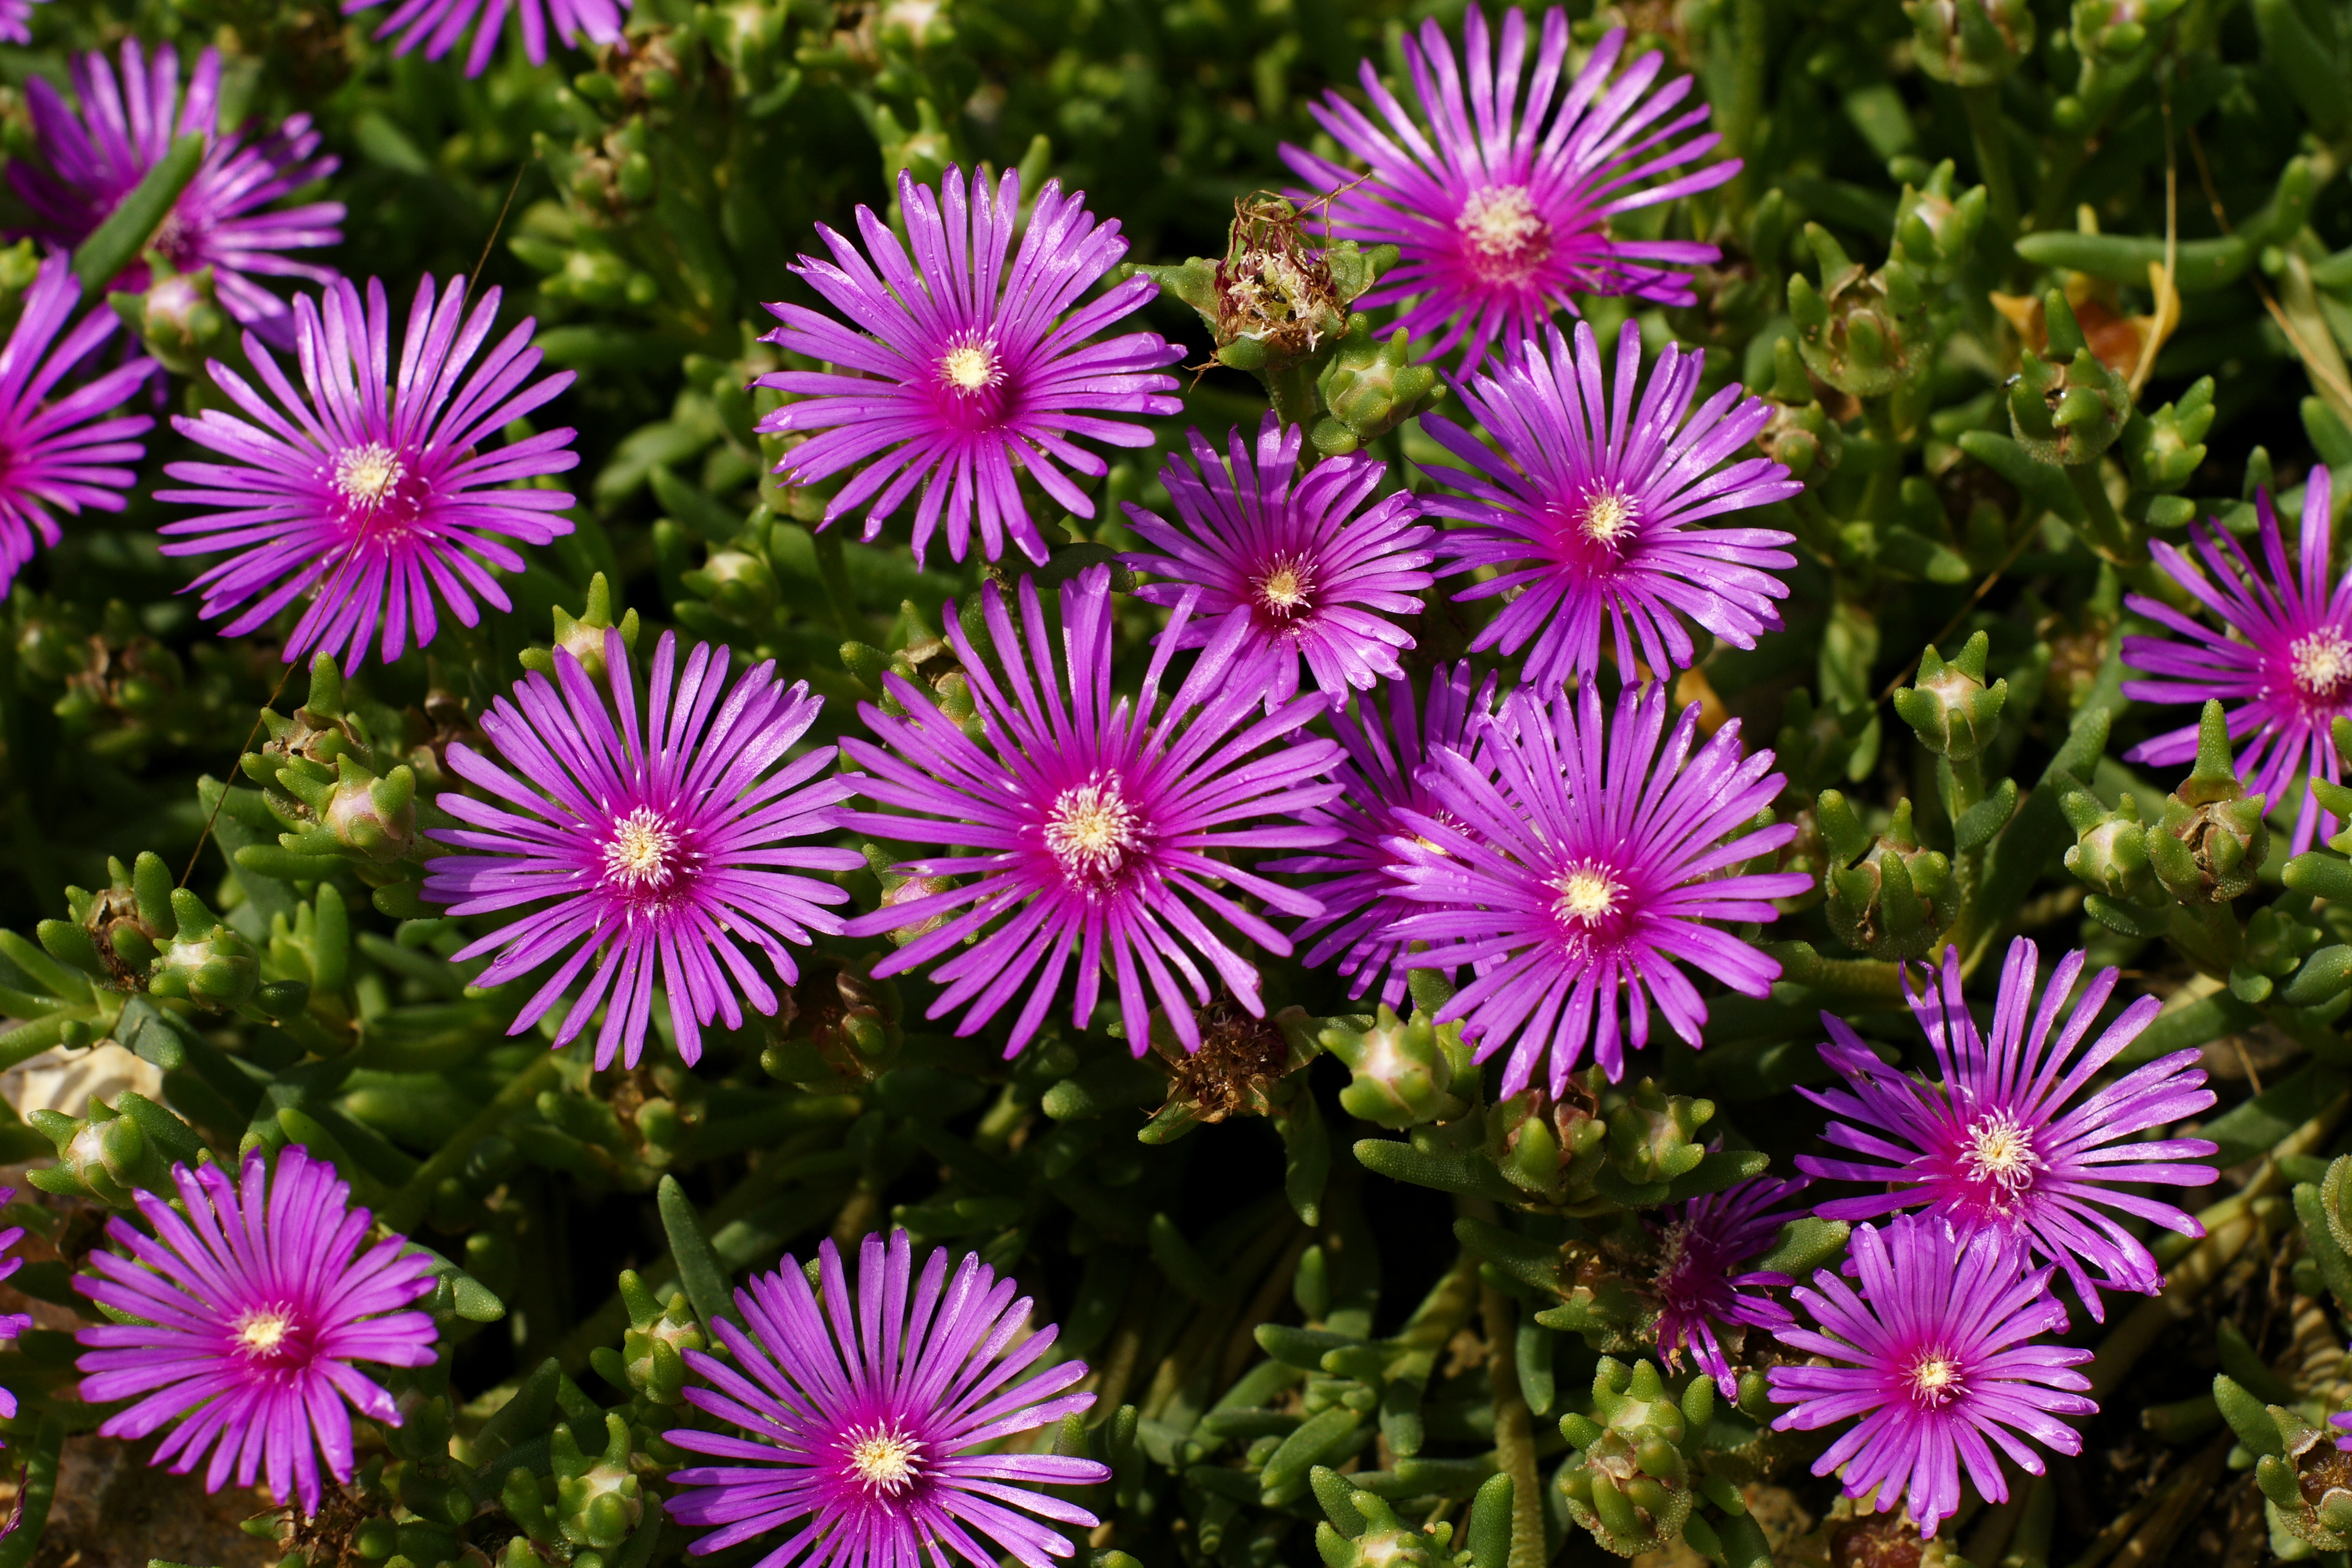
1971 43
1370 387
1949 706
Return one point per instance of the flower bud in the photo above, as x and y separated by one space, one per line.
1403 1070
1650 1134
1949 706
1630 1480
1892 904
2162 450
2111 31
2066 413
1865 333
2110 851
1385 1542
1971 43
103 1155
583 635
205 961
598 1501
1370 387
376 816
2211 843
737 585
1936 231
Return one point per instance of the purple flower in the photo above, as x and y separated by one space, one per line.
11 1323
435 26
17 28
1934 1356
2283 655
1317 578
365 501
1506 218
1590 510
255 1303
959 374
1701 1300
1382 776
862 1418
649 847
222 220
2341 1422
61 450
2011 1141
1569 869
1099 822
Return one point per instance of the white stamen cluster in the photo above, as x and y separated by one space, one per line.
2322 662
1091 830
1999 1150
1500 222
885 1460
639 854
365 476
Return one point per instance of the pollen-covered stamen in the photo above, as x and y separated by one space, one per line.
1934 1379
971 367
1999 1151
642 854
1091 830
262 1334
365 476
1607 517
1287 589
1501 224
2321 662
883 1461
1587 894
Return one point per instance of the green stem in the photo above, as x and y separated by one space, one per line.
1853 979
1291 390
2109 536
834 573
1990 131
33 1494
1514 1445
408 1206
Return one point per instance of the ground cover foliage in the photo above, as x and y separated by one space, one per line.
2024 290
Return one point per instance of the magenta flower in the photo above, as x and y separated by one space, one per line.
435 26
1590 511
365 501
1099 822
1506 218
2282 655
254 1304
1571 869
958 373
1319 578
61 449
2015 1139
1702 1301
17 28
647 846
223 220
1935 1355
1383 775
862 1419
11 1323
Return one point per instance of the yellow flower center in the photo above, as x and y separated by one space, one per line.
1091 829
2322 662
1284 590
365 475
971 368
885 1461
638 854
1935 1379
1587 893
1500 222
1608 517
2000 1150
262 1334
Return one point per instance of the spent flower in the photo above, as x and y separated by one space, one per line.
1704 1298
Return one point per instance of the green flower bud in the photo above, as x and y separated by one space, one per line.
103 1155
206 963
1949 706
2210 842
2066 413
598 1500
1548 1149
1651 1134
1865 333
737 585
2111 31
1936 231
2162 450
2110 850
1971 43
1403 1070
178 318
1892 904
584 634
1630 1483
1384 1541
1371 387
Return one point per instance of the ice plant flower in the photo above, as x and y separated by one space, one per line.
1702 1301
1935 1355
1575 870
254 1304
652 846
435 26
11 1323
226 219
1098 823
861 1417
2281 659
957 372
1501 203
1592 511
368 501
17 28
2014 1139
62 449
1382 775
1319 578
